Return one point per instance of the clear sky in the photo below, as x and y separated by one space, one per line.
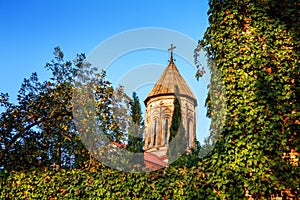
31 29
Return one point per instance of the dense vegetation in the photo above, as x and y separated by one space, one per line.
135 136
38 130
253 48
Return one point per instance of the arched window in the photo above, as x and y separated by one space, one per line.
154 133
166 131
188 132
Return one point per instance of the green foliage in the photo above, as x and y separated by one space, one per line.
105 183
135 132
253 47
177 140
176 120
40 130
191 158
254 50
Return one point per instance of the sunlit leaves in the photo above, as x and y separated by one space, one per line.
256 51
38 130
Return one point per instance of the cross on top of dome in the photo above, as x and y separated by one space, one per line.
171 51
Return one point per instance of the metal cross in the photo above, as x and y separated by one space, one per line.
171 50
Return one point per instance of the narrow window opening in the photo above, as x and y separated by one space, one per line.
188 132
166 131
154 134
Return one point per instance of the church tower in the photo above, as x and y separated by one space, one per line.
159 109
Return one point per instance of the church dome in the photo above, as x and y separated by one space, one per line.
167 83
160 108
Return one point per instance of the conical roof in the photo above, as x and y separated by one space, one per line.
167 83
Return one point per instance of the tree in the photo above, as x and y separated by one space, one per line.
254 46
190 159
177 140
40 129
206 147
135 133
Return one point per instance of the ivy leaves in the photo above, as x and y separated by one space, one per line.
255 53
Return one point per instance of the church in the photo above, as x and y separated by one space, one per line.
159 109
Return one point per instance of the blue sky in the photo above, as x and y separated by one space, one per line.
31 29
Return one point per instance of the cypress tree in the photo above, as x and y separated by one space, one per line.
135 137
177 139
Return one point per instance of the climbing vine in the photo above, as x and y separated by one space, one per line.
254 46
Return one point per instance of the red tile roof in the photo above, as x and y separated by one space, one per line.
154 162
